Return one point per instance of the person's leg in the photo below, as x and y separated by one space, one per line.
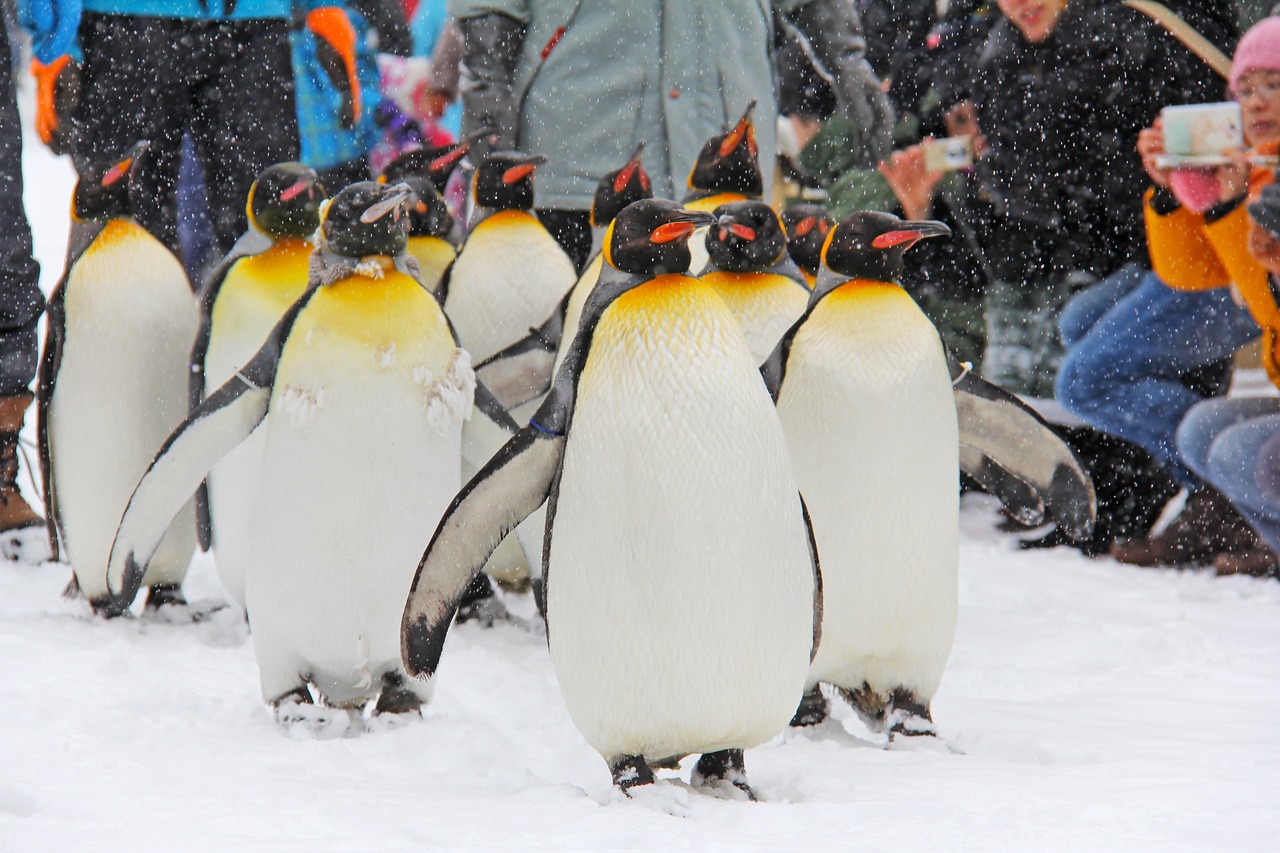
1206 421
1089 305
1124 377
1233 467
246 120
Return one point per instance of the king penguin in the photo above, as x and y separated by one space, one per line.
241 303
749 268
727 169
113 383
807 226
364 391
430 225
511 274
682 587
865 394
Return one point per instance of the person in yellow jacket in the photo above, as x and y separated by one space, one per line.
1134 337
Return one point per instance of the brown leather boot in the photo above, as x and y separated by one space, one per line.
1258 563
22 530
1207 526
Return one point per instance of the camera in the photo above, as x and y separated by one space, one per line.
1200 134
948 155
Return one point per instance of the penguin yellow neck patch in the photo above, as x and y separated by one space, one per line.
117 231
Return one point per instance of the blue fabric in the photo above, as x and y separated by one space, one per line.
1229 443
53 25
199 9
1087 307
425 26
1122 376
324 142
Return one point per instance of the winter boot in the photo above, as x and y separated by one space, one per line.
1207 526
23 535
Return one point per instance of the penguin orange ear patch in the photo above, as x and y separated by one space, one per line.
890 239
116 172
671 231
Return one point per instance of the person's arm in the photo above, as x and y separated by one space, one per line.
832 30
492 41
54 65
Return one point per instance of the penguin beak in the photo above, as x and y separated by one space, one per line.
910 233
392 203
459 151
681 226
730 225
515 174
742 130
122 168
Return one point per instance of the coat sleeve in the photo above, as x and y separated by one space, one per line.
1229 237
1181 254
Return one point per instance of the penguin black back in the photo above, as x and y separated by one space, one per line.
870 245
729 162
620 188
285 200
806 226
747 237
428 214
365 219
504 180
651 237
103 191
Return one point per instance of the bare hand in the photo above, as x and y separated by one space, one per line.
1150 147
1233 178
911 184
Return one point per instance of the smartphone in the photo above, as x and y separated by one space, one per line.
1200 134
948 155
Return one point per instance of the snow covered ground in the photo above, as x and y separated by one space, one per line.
1088 706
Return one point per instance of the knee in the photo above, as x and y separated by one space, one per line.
1079 384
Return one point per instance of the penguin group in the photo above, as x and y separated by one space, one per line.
726 453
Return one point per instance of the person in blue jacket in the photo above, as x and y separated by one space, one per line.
219 70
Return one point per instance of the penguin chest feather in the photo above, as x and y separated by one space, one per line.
509 277
764 304
121 388
434 256
679 589
870 420
361 458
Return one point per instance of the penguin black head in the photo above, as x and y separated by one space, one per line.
103 191
807 226
436 163
729 162
428 214
651 237
504 180
620 188
367 218
870 245
285 200
747 237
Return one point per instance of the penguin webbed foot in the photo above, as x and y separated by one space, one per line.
723 774
871 707
630 771
397 697
812 709
909 717
480 603
164 595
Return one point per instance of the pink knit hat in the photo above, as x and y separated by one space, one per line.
1259 49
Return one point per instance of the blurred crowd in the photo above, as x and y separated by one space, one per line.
1117 290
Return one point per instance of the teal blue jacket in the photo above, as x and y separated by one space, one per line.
197 9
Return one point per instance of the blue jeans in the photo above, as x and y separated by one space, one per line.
1131 338
1229 443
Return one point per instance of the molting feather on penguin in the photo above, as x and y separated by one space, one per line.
370 355
113 383
662 500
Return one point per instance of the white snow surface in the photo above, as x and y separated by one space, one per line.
1087 706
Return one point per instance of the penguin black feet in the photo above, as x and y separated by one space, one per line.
630 771
396 696
872 708
812 710
165 595
910 717
723 773
479 604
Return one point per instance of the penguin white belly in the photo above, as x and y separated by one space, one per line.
361 458
679 588
870 420
765 305
121 388
509 278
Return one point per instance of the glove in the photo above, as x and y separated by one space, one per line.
336 50
57 97
53 27
832 29
491 49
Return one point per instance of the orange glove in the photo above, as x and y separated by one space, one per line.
336 50
57 91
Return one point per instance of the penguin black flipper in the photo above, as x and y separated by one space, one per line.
774 369
817 580
221 422
509 488
524 370
55 334
441 292
1004 439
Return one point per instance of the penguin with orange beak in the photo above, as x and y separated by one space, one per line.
807 226
727 170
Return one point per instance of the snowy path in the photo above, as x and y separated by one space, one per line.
1093 707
